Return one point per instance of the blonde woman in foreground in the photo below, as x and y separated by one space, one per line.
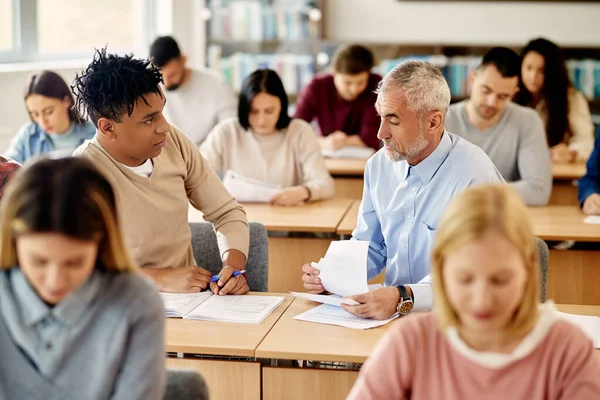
77 321
487 337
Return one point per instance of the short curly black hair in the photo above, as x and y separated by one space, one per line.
111 85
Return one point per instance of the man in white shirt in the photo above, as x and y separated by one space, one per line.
196 99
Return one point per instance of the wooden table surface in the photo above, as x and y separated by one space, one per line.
562 223
221 338
291 339
568 171
346 166
320 216
299 340
348 223
549 223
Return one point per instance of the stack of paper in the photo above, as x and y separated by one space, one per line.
209 307
332 315
343 272
590 325
247 190
350 152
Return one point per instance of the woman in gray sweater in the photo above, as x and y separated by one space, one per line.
76 319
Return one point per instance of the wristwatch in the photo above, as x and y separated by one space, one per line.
406 303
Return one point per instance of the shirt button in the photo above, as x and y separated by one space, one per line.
409 217
48 346
415 190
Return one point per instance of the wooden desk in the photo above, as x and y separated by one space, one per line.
222 339
348 176
288 254
564 191
562 223
348 223
299 340
568 171
346 166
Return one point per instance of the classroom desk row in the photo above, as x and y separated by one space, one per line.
298 235
573 275
348 175
250 362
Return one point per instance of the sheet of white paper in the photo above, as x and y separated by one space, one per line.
343 271
180 304
592 219
588 324
350 152
247 190
333 299
245 309
332 315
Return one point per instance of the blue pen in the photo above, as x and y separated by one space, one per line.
215 278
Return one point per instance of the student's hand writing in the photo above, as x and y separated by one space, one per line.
229 284
377 304
561 154
311 279
591 205
180 280
291 196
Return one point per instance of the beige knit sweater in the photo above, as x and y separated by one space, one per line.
153 211
289 157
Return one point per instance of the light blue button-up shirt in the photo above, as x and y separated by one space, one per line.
31 140
105 340
402 205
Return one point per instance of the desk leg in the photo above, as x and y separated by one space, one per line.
573 277
286 257
306 383
218 374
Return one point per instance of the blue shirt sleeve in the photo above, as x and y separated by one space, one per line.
16 149
590 183
368 228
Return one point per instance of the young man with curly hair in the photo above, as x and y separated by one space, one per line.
156 171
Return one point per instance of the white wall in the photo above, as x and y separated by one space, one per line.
471 22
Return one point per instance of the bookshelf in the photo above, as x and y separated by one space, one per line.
287 36
284 35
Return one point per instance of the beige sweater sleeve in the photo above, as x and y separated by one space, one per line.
207 194
314 171
212 149
581 125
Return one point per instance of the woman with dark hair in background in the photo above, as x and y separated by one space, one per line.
545 86
55 124
263 143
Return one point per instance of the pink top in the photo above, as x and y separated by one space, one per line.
414 360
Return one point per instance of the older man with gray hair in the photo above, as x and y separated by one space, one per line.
407 186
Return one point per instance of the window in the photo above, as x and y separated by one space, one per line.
6 25
63 29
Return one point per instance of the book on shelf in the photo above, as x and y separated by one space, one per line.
255 20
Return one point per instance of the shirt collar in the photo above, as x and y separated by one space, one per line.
68 311
428 167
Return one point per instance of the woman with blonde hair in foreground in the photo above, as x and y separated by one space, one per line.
76 320
487 337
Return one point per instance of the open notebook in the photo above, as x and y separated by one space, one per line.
206 306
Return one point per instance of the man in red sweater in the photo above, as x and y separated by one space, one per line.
343 102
